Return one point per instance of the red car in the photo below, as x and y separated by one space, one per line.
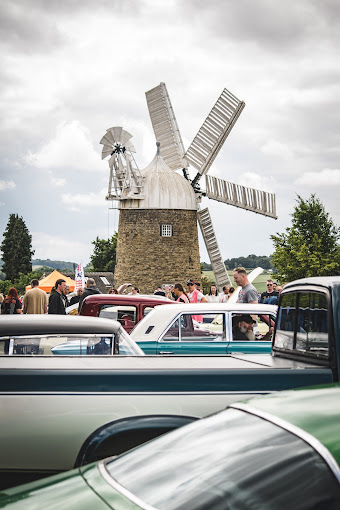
128 310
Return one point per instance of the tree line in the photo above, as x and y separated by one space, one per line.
309 247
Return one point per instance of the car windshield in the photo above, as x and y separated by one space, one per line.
232 460
127 346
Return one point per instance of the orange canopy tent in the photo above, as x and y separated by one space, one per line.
48 282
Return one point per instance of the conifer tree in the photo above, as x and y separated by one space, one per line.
16 248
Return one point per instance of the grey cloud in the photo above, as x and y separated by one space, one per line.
283 26
31 26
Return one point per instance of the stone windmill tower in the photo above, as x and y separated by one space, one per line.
159 208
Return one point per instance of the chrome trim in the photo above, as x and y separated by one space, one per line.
144 393
297 431
115 485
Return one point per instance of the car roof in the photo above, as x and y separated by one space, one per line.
213 307
53 324
117 298
315 411
323 281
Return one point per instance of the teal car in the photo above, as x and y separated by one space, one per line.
206 329
274 452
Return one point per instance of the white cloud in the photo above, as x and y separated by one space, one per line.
58 182
70 148
327 177
79 201
7 185
277 149
52 247
253 180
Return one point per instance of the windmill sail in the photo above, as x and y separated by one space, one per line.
208 233
214 131
260 202
165 127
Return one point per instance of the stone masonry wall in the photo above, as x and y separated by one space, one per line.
146 259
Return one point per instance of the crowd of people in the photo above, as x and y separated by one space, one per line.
36 301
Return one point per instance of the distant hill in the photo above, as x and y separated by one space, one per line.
55 264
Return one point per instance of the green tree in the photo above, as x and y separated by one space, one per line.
16 248
309 247
104 254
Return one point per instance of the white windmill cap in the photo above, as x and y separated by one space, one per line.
163 188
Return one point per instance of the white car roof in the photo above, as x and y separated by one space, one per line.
162 315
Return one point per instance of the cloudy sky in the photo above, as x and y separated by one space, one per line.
71 69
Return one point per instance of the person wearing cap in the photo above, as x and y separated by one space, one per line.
244 328
195 295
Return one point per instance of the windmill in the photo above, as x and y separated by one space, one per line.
160 195
201 154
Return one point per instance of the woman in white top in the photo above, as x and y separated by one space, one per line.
213 296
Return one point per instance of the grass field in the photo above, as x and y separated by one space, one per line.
259 283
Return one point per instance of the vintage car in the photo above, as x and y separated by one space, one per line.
204 329
279 451
128 310
48 335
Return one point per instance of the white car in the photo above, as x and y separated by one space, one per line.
207 328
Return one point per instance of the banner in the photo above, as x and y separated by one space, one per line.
80 277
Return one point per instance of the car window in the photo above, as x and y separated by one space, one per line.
232 460
303 323
284 337
260 330
147 309
66 345
172 333
4 344
209 327
125 314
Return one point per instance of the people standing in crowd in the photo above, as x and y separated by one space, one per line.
231 291
275 285
35 300
134 291
213 296
224 295
248 293
91 289
270 296
1 300
113 290
180 295
75 299
159 292
11 304
168 289
195 295
56 303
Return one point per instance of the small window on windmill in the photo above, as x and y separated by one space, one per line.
166 230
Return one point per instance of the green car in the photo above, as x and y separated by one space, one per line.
280 451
